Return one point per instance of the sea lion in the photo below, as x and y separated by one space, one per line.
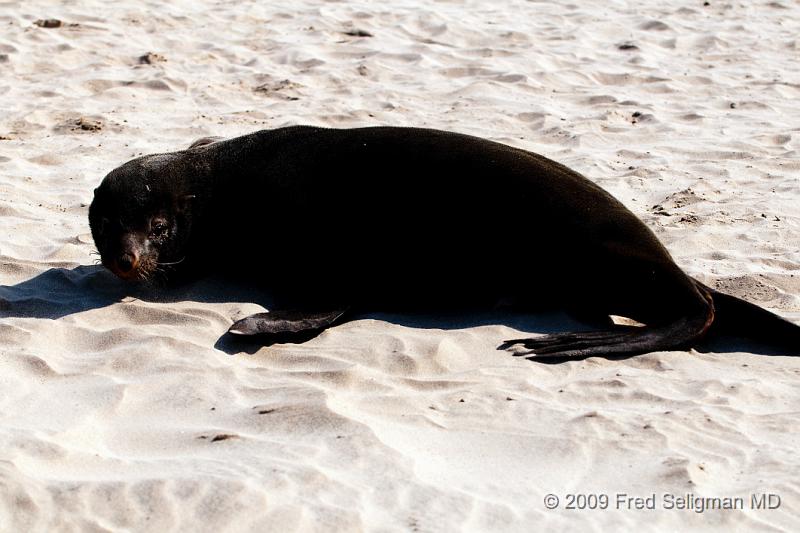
386 218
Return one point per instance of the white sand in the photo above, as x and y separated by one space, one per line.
109 409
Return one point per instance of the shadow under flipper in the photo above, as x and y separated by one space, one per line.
545 323
233 344
60 292
278 327
448 319
560 359
728 343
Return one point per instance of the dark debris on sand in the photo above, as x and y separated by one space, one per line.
151 58
285 89
627 46
357 33
49 23
86 124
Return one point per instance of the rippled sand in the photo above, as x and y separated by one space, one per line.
124 410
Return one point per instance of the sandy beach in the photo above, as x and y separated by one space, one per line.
124 409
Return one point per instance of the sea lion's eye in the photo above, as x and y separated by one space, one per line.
158 228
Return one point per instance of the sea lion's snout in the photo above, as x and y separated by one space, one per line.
126 264
131 260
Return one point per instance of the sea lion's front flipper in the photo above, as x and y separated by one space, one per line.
287 325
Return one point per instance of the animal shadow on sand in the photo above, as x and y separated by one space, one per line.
60 292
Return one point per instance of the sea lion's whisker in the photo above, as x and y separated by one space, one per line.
173 262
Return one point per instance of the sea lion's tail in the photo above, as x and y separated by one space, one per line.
738 318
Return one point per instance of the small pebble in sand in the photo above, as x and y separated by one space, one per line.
357 33
86 124
48 23
150 58
627 46
285 89
217 438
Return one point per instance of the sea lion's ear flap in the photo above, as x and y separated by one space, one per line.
184 203
204 141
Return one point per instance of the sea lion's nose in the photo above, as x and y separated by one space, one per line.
127 262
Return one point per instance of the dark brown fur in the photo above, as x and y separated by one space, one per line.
381 218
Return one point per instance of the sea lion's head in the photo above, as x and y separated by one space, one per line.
141 217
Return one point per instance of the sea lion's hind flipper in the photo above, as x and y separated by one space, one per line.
620 342
566 345
287 325
617 343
